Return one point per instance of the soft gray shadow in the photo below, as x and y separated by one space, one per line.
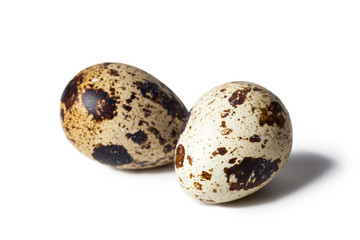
162 169
301 170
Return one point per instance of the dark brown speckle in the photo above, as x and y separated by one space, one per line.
198 186
157 134
167 148
141 122
127 107
226 131
255 138
205 176
132 97
62 114
250 172
189 158
139 137
264 144
222 151
147 112
113 72
225 113
98 103
153 92
211 102
113 155
179 156
106 64
271 115
70 94
223 124
232 160
238 97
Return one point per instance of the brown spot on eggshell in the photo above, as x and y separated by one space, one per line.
139 137
242 138
263 172
173 134
142 122
205 176
211 102
264 144
221 150
147 146
153 92
106 64
127 107
147 112
70 94
225 113
198 186
167 148
250 173
233 150
272 114
189 158
238 97
179 156
132 97
226 131
113 155
257 89
157 134
114 72
98 103
255 138
232 160
62 114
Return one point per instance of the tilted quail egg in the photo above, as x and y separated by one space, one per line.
235 139
121 116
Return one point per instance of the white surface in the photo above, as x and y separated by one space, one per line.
306 52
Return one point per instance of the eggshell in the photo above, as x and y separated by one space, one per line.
235 139
121 116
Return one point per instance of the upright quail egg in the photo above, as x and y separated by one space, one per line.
235 139
121 116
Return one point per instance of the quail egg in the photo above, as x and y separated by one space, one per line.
234 141
121 116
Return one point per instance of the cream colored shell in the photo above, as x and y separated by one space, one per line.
121 116
235 140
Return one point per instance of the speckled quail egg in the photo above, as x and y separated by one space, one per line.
121 116
234 141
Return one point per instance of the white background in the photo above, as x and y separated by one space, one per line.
307 52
